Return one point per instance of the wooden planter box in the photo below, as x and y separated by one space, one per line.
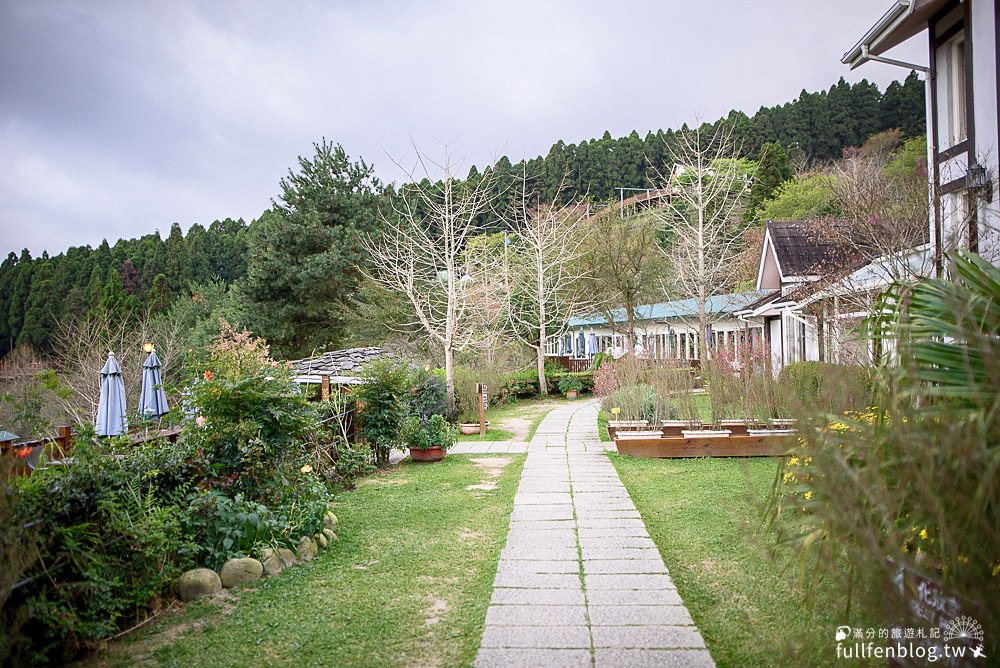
731 446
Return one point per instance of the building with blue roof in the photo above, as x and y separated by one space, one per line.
666 330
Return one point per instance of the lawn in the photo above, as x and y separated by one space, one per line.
407 583
517 420
705 517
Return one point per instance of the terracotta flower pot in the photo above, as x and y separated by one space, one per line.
571 394
434 454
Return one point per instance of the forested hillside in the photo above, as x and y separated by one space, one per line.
149 272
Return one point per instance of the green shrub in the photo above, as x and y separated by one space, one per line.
833 388
637 402
115 529
599 360
428 392
385 399
110 543
427 432
524 384
570 384
351 461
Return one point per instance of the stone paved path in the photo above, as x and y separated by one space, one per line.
580 583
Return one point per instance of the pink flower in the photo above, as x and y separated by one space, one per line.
200 420
208 375
274 365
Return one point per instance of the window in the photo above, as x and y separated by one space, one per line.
951 91
958 121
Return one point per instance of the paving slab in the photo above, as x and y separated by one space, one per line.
638 615
541 637
633 597
508 657
538 554
541 566
536 615
607 566
537 580
628 581
653 658
654 637
510 596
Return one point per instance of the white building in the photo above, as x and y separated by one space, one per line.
668 330
963 94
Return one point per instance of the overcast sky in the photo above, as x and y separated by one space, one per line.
120 118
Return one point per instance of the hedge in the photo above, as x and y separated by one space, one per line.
524 384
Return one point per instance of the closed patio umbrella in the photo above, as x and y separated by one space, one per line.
111 419
593 344
152 400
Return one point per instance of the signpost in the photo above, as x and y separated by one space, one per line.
484 401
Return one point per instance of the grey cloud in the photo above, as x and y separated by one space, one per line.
117 117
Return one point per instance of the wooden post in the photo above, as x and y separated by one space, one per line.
481 390
325 392
66 440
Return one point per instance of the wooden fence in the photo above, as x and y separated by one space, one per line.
60 447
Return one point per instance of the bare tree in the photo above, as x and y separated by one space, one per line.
701 218
624 265
884 203
421 255
82 347
541 277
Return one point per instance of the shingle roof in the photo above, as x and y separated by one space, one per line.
338 362
768 297
681 308
805 249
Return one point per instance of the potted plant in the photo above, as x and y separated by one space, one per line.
570 386
427 438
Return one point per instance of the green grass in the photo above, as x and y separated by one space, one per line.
602 426
705 517
407 584
492 434
534 409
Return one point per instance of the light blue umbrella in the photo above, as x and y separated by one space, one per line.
593 344
152 400
111 419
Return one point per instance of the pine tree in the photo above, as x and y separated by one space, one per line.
304 252
773 169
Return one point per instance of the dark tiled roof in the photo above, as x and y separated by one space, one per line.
339 362
805 249
769 296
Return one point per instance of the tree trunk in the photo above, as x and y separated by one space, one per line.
543 388
449 379
630 326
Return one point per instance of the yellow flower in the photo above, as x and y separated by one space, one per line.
306 469
807 461
996 569
793 461
923 534
962 559
808 495
789 477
